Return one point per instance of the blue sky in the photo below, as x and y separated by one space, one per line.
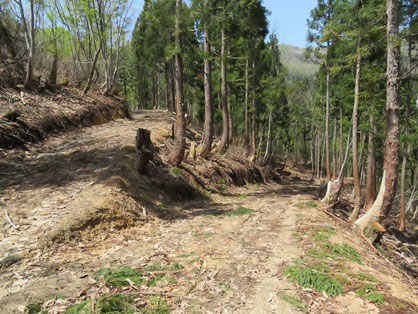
287 18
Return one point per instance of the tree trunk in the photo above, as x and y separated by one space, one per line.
52 79
384 202
254 116
357 188
334 150
225 120
371 167
31 46
167 88
208 125
391 153
405 145
173 93
327 163
93 67
144 148
341 136
246 134
180 140
269 149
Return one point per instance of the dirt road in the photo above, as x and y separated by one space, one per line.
72 219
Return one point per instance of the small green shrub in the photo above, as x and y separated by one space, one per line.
344 250
310 278
221 181
117 276
176 171
2 192
295 302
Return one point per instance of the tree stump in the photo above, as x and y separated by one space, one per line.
144 148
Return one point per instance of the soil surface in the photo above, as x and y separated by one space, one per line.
78 205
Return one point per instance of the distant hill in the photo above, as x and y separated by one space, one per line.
293 58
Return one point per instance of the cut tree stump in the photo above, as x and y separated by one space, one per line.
144 148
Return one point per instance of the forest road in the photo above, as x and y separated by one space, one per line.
228 263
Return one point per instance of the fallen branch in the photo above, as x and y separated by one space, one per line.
8 219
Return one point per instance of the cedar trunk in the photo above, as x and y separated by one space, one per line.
246 134
327 163
254 115
405 145
208 125
225 125
371 167
383 203
392 109
180 130
357 188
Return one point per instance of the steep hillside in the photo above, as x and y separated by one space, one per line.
294 59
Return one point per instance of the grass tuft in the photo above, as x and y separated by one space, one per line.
308 277
238 212
368 292
294 301
117 276
79 308
176 171
344 250
115 303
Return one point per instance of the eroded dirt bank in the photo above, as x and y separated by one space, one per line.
80 206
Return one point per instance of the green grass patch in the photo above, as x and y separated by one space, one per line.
157 306
115 303
34 309
2 192
237 212
319 237
368 292
176 171
300 205
344 250
308 277
158 267
314 253
221 187
203 235
117 276
326 230
311 204
79 308
221 181
185 255
294 301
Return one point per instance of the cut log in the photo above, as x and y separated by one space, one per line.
144 148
